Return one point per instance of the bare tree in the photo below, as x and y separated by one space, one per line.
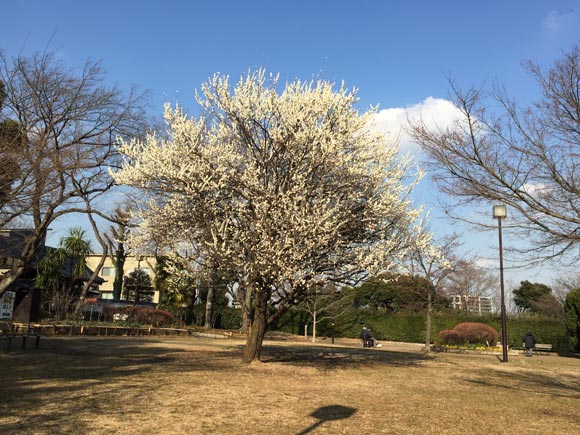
526 156
435 265
564 285
70 124
326 302
470 283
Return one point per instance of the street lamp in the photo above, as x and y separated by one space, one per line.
183 314
499 213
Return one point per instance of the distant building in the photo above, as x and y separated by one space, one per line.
473 304
145 263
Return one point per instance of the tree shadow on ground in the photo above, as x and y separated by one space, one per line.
58 387
329 358
557 386
560 385
45 390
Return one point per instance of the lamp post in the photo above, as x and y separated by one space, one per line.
137 276
183 314
499 213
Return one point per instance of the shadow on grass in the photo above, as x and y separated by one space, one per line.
54 388
328 358
534 383
329 413
65 385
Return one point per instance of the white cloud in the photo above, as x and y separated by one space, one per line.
560 22
435 113
535 189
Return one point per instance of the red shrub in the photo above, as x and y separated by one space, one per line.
149 316
477 333
109 312
448 336
141 315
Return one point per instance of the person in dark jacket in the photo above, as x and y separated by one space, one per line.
367 338
529 343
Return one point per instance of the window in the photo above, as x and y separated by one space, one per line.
108 271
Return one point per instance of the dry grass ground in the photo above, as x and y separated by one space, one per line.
127 385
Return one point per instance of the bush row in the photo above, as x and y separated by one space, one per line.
410 327
140 315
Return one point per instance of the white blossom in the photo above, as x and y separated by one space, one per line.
283 186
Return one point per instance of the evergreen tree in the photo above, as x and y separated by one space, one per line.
536 298
138 287
572 310
62 270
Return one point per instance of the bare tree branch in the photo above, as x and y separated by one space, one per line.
69 124
525 157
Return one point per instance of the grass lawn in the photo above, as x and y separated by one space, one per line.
143 385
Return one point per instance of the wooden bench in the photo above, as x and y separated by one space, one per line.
9 333
540 348
367 343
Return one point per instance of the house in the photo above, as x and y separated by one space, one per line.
22 300
145 263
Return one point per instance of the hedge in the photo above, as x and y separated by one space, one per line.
410 327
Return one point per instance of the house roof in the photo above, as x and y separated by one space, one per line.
12 242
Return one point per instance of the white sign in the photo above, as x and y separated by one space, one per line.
7 305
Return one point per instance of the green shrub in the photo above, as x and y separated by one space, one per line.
572 319
410 327
231 318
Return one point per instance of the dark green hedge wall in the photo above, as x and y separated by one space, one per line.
410 327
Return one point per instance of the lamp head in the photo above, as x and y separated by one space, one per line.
499 211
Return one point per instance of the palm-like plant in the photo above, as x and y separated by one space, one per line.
61 270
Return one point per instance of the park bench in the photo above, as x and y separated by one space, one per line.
367 343
9 332
540 348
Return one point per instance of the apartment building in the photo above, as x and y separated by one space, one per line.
473 304
145 263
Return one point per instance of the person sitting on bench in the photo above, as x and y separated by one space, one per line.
367 338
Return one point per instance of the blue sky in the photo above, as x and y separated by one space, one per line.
397 53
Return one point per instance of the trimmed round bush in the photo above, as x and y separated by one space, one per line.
448 336
475 333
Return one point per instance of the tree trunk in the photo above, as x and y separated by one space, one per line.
429 321
119 271
314 326
78 311
257 329
9 278
87 285
208 307
27 257
246 304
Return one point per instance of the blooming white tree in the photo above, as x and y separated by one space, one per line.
290 188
